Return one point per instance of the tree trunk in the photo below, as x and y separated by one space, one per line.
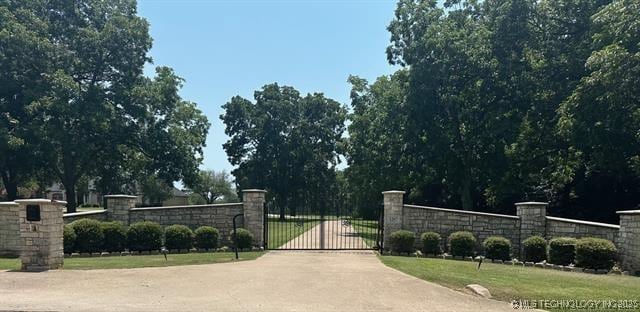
465 195
70 191
10 185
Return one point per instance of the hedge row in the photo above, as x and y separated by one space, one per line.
89 236
588 252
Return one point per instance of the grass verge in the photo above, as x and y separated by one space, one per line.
142 261
509 283
280 232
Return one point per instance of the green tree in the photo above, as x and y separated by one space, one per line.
214 186
285 143
87 109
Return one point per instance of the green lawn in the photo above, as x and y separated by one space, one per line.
126 262
367 230
509 283
280 232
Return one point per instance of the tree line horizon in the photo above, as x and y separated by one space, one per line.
495 102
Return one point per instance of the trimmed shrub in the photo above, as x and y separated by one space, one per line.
89 236
68 239
144 236
402 241
206 237
431 243
534 249
562 250
462 244
178 237
497 248
115 236
244 237
595 253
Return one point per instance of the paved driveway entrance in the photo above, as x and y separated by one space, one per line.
278 281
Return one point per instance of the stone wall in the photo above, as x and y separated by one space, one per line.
557 227
420 219
100 215
219 216
531 219
10 240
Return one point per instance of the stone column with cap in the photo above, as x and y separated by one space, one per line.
629 240
253 206
41 232
119 206
393 210
533 220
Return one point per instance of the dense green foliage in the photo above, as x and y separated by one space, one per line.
144 236
178 237
75 99
68 239
534 249
243 237
562 250
497 248
402 241
89 236
206 237
115 236
462 244
212 187
595 253
431 243
502 101
287 144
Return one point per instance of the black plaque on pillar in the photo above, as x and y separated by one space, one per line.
33 212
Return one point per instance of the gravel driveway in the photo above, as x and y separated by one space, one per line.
278 281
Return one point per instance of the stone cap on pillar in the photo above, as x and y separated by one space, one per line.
40 201
393 192
628 212
532 204
120 196
254 191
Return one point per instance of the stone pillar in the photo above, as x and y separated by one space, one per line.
253 206
118 207
41 232
629 240
533 220
10 240
393 210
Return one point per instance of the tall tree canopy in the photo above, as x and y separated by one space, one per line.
285 143
505 100
80 102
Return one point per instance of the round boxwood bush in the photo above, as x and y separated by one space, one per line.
462 244
144 236
244 237
206 237
431 243
402 241
595 253
115 236
177 237
534 249
562 250
68 239
89 236
497 248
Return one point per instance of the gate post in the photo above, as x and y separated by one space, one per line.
629 240
118 207
253 206
393 210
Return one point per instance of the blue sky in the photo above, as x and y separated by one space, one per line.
227 48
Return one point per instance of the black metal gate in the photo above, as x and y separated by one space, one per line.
330 227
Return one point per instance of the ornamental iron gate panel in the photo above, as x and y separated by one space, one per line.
329 227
